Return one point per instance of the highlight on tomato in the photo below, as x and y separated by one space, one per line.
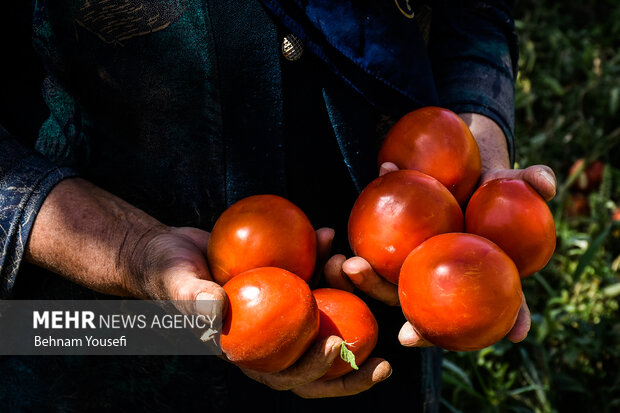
460 291
438 142
395 213
262 231
510 213
272 319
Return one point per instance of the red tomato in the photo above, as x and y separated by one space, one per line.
272 319
395 213
437 142
345 315
577 205
262 231
510 213
590 178
461 292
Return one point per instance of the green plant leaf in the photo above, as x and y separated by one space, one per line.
347 355
588 256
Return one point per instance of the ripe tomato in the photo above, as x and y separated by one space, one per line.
262 231
577 205
590 178
461 292
395 213
510 213
272 319
345 315
437 142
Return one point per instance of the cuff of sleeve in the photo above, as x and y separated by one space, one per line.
474 59
477 87
26 178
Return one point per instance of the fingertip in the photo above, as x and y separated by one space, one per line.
332 347
382 371
409 337
542 178
333 266
522 325
335 276
212 302
519 332
355 266
387 167
325 234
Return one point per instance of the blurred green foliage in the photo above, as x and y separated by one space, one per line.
567 107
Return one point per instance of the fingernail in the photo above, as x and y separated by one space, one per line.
406 335
333 344
208 304
382 372
352 267
547 177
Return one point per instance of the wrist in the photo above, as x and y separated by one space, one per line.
491 141
135 259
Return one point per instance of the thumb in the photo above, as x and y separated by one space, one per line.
198 296
540 177
409 337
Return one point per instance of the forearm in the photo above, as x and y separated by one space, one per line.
89 236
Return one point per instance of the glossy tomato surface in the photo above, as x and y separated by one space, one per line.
510 213
272 319
262 231
347 316
435 141
395 213
461 292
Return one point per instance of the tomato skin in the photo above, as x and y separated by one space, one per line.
510 213
438 142
272 319
262 231
460 291
395 213
347 316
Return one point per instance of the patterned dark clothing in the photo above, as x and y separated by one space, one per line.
183 107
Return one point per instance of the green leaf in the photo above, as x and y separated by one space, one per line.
611 290
347 355
463 376
588 256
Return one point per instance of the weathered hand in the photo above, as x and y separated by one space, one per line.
171 265
540 177
302 378
356 272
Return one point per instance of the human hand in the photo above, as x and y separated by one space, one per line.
170 264
303 377
356 272
97 240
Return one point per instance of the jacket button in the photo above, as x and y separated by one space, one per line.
292 47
